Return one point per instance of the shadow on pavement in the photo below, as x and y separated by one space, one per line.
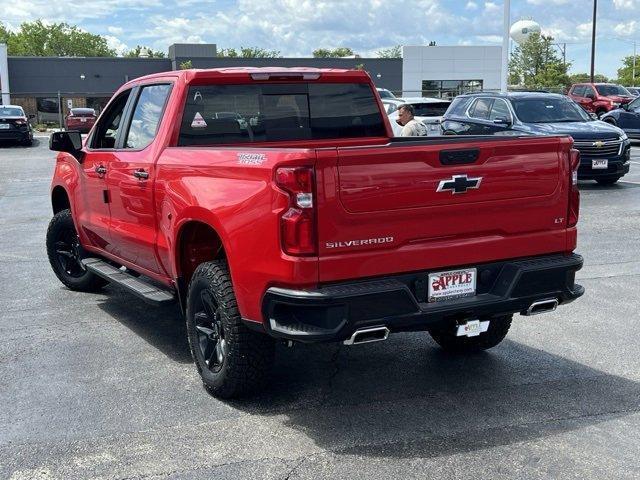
406 398
161 327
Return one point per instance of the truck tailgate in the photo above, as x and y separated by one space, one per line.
409 206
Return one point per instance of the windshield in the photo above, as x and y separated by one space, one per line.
11 112
434 109
385 93
548 110
609 90
216 114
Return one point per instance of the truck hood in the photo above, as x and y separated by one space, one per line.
595 130
620 99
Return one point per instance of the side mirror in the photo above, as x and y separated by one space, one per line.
502 121
593 116
70 142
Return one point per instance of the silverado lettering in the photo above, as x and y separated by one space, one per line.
235 215
357 243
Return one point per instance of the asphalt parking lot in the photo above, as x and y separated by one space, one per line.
102 386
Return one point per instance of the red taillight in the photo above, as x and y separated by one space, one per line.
297 224
574 193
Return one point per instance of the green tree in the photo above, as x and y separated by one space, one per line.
141 51
625 73
186 65
335 53
536 63
248 52
392 52
585 78
56 40
5 34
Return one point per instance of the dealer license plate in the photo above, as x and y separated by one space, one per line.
452 284
599 164
4 126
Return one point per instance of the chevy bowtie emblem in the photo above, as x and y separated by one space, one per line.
598 144
459 184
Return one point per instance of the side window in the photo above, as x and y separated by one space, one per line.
146 116
499 110
110 123
481 108
589 90
578 91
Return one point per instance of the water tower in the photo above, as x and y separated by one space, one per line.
522 29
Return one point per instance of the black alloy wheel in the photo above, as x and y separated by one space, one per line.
66 253
211 336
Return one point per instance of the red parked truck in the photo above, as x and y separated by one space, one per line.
599 98
302 218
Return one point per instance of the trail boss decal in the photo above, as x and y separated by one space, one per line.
251 158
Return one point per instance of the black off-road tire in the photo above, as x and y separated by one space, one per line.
498 329
600 113
247 356
61 229
607 181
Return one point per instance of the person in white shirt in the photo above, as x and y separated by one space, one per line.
410 126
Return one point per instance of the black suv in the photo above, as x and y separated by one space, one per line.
14 125
605 150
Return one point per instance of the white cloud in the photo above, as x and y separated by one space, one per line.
627 29
471 6
68 10
626 4
115 30
116 44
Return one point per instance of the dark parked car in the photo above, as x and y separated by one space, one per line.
81 119
605 150
627 117
14 125
634 91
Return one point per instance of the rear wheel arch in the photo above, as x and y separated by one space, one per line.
197 242
60 199
610 120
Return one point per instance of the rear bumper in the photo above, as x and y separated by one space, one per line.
15 135
334 312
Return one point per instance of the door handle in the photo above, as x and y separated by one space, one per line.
101 169
141 174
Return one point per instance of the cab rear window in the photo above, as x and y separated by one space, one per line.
223 114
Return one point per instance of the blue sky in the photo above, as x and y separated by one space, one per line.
297 27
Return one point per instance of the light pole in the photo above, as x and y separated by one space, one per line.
633 72
593 40
504 80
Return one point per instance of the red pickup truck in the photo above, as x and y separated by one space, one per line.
276 204
599 98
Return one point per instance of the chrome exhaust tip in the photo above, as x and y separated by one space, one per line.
542 306
368 335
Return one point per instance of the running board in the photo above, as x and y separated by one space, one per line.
146 291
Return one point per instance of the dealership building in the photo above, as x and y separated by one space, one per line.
40 84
